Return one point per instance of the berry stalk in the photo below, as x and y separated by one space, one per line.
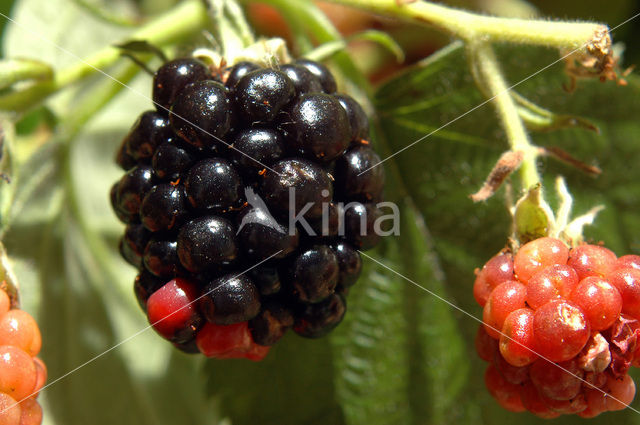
497 88
182 21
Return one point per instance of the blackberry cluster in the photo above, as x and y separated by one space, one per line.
214 177
561 328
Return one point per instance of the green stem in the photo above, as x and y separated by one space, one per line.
186 19
471 26
497 88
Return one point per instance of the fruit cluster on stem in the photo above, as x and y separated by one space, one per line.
561 328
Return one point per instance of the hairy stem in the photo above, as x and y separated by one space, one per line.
184 20
495 84
471 26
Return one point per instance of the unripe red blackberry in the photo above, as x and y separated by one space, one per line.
571 325
22 374
242 196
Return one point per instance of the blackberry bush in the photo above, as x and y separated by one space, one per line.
561 328
224 188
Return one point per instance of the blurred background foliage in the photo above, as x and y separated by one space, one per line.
401 356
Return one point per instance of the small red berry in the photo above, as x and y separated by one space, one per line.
627 281
504 299
505 393
537 255
172 311
517 342
599 300
554 282
591 260
560 330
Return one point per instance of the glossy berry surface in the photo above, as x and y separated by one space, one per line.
321 72
358 120
578 328
22 375
320 127
255 148
363 179
261 94
170 160
262 237
314 273
133 243
149 131
172 311
349 264
207 242
161 258
201 115
301 180
172 77
359 223
213 184
230 299
130 191
248 195
238 71
163 207
303 80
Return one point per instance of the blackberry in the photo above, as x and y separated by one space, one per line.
319 127
359 222
261 94
266 278
151 129
163 207
271 323
256 148
130 191
145 284
322 73
303 180
170 160
213 185
313 274
316 320
161 258
133 243
172 77
363 181
303 80
172 313
238 71
201 115
262 237
357 117
123 159
246 204
230 299
349 264
207 242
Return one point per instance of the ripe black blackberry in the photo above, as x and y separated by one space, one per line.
242 198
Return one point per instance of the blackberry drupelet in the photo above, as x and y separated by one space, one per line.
245 204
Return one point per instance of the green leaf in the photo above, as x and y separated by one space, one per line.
292 385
